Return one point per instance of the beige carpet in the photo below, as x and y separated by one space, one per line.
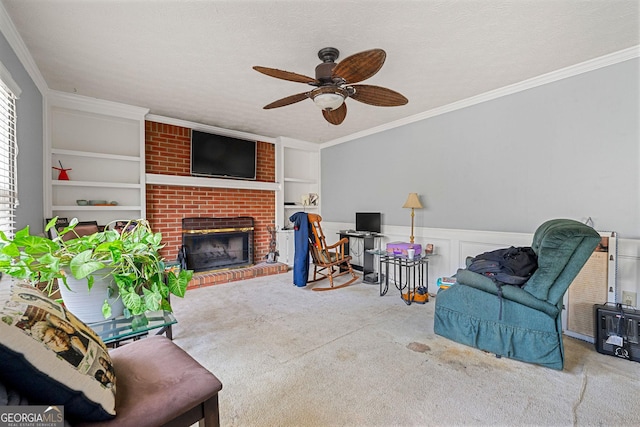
289 356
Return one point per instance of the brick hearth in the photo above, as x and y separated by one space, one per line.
209 278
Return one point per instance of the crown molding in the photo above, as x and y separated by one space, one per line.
563 73
10 32
95 105
297 143
209 129
5 75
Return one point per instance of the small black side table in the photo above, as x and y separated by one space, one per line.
409 274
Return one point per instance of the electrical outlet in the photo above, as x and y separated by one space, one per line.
629 298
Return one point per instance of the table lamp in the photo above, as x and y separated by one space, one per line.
412 202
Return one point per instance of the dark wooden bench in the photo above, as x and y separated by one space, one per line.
159 384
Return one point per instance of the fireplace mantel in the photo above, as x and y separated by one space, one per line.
172 193
194 181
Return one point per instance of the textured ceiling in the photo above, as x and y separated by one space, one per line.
192 60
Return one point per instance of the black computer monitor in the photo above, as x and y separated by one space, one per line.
368 222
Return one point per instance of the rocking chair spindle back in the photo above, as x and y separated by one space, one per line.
328 259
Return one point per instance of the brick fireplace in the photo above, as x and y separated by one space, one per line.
167 153
216 243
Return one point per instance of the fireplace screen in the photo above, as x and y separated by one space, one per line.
216 243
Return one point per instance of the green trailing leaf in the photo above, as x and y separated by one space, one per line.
11 250
133 302
130 255
52 222
116 254
83 264
35 245
164 290
50 261
155 288
165 305
111 292
139 321
125 281
90 281
152 299
178 284
106 309
21 234
64 282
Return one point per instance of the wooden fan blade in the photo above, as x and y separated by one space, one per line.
286 75
378 96
287 101
335 117
361 66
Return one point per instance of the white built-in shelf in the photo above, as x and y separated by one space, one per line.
102 143
300 180
96 208
64 183
299 175
301 206
94 155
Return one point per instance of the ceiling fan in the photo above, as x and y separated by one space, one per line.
334 83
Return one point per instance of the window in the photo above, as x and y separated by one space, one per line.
9 92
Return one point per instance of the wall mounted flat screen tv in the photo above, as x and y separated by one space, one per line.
368 222
222 156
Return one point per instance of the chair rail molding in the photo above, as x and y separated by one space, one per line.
453 246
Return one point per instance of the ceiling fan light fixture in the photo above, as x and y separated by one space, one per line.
328 101
329 97
335 82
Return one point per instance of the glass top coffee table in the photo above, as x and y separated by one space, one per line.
113 331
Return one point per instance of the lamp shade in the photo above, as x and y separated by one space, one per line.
413 201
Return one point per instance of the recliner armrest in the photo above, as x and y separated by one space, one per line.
469 260
513 293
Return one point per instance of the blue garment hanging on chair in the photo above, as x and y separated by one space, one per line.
301 254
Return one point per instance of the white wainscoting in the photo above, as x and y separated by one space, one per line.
453 246
629 266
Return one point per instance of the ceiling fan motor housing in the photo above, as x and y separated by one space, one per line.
328 55
323 72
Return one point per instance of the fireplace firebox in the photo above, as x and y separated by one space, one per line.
216 243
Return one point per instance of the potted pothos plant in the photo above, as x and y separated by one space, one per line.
128 256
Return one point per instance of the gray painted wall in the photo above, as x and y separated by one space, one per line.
29 133
565 149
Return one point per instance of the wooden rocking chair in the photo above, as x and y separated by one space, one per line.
329 261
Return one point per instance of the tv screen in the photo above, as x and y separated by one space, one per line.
368 221
222 156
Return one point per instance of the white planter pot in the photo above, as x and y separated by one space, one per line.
86 304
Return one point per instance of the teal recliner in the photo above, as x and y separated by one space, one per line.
526 324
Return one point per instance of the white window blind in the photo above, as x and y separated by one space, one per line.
8 158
